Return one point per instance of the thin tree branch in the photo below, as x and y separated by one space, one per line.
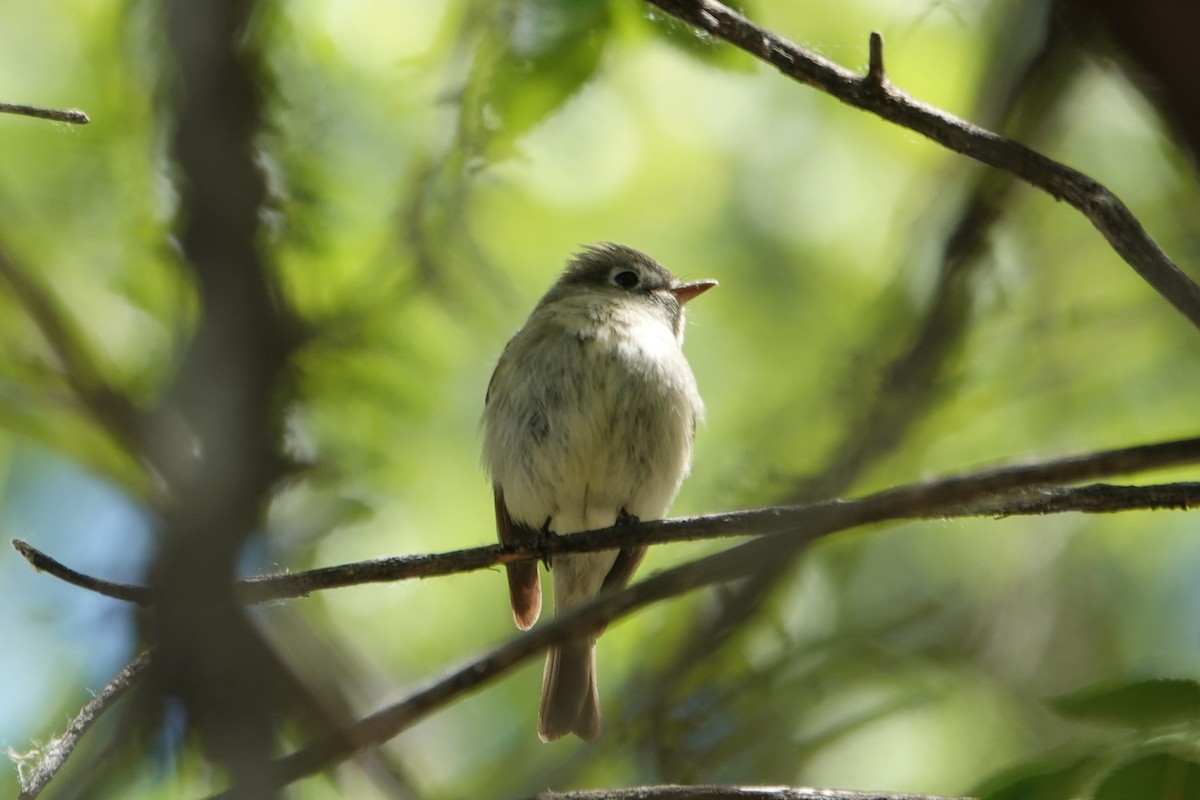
728 793
54 754
129 592
877 95
1097 498
71 115
1012 490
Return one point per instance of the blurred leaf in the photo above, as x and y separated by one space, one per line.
1141 704
1039 780
553 48
1157 777
700 44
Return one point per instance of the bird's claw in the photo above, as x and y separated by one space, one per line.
543 537
625 518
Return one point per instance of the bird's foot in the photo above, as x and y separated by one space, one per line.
625 518
543 538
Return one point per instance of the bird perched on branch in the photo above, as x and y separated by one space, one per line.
589 421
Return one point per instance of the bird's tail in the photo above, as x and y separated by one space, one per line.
570 703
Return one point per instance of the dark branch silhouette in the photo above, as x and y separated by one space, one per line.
224 399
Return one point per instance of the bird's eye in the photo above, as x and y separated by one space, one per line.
626 279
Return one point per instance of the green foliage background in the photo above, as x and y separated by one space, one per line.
432 166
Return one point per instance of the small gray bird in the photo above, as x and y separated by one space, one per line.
588 421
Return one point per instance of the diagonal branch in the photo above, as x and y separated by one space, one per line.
874 93
54 754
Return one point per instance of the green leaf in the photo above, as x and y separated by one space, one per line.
1158 777
553 49
1040 780
1140 704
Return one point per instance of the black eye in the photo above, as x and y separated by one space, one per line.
626 279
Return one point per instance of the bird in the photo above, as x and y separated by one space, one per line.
588 422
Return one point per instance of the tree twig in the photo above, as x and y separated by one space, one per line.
129 592
877 95
55 753
71 115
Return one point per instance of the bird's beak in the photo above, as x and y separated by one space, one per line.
686 291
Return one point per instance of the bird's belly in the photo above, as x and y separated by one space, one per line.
625 448
584 478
